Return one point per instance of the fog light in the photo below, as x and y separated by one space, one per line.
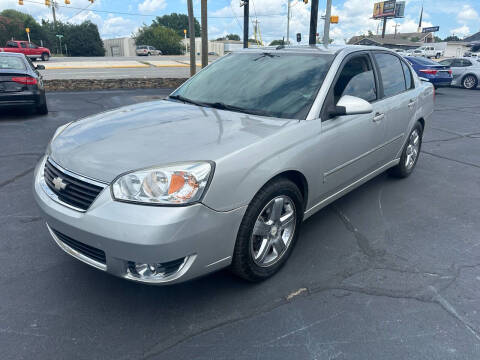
156 272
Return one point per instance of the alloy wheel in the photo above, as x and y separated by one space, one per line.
273 231
413 148
469 82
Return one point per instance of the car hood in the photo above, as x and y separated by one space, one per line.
156 133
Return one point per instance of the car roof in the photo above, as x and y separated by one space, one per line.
12 54
314 49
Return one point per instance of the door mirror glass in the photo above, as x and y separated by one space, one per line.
40 67
351 105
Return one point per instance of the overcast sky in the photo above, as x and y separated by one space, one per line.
459 17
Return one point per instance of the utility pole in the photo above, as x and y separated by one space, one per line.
396 27
191 27
326 26
313 23
204 34
246 14
54 15
384 26
288 23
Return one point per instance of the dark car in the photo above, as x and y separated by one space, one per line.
21 84
439 75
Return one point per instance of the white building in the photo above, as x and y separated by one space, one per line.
119 47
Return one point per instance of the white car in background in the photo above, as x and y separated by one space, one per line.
145 50
401 52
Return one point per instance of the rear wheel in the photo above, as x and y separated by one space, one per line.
410 153
268 231
45 57
42 109
470 82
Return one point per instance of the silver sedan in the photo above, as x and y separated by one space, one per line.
225 170
465 71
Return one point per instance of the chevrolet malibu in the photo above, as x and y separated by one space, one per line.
225 170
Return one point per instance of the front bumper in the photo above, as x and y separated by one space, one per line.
128 233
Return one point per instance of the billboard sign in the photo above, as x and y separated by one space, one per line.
431 29
400 9
384 9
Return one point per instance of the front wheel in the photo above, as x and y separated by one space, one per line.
45 57
410 153
268 231
470 82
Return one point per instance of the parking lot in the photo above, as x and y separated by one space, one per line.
390 271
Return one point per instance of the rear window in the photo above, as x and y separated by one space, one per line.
141 47
425 61
12 44
11 63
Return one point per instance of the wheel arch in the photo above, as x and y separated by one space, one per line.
422 122
467 74
297 178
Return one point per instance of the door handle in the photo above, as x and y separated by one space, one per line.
411 104
378 117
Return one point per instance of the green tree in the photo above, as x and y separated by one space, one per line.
177 22
277 42
83 39
13 24
230 37
165 39
452 38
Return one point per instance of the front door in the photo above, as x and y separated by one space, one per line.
352 145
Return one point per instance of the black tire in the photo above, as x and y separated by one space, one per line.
402 170
470 82
42 109
243 264
45 57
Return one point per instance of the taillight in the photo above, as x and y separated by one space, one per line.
429 71
450 72
25 80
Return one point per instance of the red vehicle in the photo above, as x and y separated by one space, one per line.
27 48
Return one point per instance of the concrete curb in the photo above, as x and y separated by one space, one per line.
102 84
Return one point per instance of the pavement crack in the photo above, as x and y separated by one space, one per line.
455 160
363 242
16 177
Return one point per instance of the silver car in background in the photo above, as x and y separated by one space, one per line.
465 71
145 50
225 170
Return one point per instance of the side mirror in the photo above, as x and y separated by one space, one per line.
351 105
40 67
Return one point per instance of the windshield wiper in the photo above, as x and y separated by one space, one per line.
186 100
223 106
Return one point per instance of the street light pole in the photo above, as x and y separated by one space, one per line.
326 26
204 34
246 14
288 23
191 27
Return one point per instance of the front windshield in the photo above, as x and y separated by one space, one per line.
272 83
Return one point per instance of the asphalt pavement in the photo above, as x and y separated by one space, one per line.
390 271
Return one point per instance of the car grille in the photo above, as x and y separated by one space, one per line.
76 192
87 250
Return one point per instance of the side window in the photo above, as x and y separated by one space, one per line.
32 46
467 63
408 76
12 44
446 62
457 63
23 45
391 70
356 79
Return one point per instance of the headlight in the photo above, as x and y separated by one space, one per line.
175 184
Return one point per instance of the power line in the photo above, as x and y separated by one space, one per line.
233 12
146 15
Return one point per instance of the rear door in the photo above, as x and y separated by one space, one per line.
399 97
23 48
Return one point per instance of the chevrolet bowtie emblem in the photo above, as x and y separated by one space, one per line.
59 184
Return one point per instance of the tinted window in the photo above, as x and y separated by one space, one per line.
356 79
467 63
12 44
392 74
23 45
269 83
446 62
408 76
32 46
11 63
457 63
